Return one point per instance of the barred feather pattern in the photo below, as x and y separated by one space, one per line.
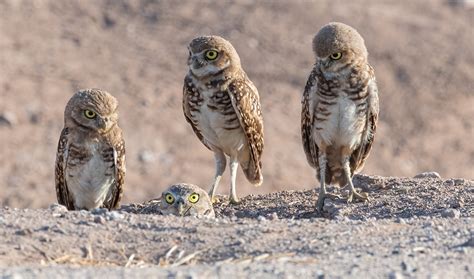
73 155
237 103
325 103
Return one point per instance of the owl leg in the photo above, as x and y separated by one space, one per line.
353 195
234 165
220 159
322 178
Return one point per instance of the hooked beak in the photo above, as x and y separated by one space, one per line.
104 124
182 210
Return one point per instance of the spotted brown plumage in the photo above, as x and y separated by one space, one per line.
223 108
90 161
339 109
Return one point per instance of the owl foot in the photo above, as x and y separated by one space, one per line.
322 197
234 200
214 199
354 196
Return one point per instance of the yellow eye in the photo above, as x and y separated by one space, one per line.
89 114
336 56
211 55
193 198
169 198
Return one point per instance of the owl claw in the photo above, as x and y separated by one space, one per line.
354 196
214 199
234 200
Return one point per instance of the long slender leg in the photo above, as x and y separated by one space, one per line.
322 178
234 165
353 195
220 168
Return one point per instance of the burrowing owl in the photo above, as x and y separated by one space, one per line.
90 163
340 108
223 107
186 200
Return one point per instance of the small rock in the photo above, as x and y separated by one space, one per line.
428 174
7 119
395 275
451 213
99 211
114 215
57 208
99 220
261 218
401 221
146 156
24 232
273 216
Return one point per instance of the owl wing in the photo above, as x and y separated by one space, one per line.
116 154
308 103
359 155
190 92
62 191
246 103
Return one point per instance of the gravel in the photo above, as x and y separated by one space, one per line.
408 229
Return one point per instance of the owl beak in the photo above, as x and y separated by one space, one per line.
196 63
104 124
182 210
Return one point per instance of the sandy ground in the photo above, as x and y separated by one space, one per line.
423 55
411 228
422 52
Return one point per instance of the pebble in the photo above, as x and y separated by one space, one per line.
146 156
57 208
99 220
261 218
24 232
428 174
395 275
273 216
114 215
401 221
451 213
8 119
99 211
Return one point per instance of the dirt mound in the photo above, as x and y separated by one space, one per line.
422 53
411 228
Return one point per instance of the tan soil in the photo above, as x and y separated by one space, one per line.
422 52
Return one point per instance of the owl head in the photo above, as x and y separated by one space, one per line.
92 109
338 45
186 200
209 55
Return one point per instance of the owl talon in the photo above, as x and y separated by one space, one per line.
214 199
234 200
354 196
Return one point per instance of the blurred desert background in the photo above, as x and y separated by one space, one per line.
422 52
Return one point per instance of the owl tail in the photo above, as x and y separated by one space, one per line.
253 172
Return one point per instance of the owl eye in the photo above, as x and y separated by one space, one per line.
336 56
193 198
89 114
169 198
211 55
